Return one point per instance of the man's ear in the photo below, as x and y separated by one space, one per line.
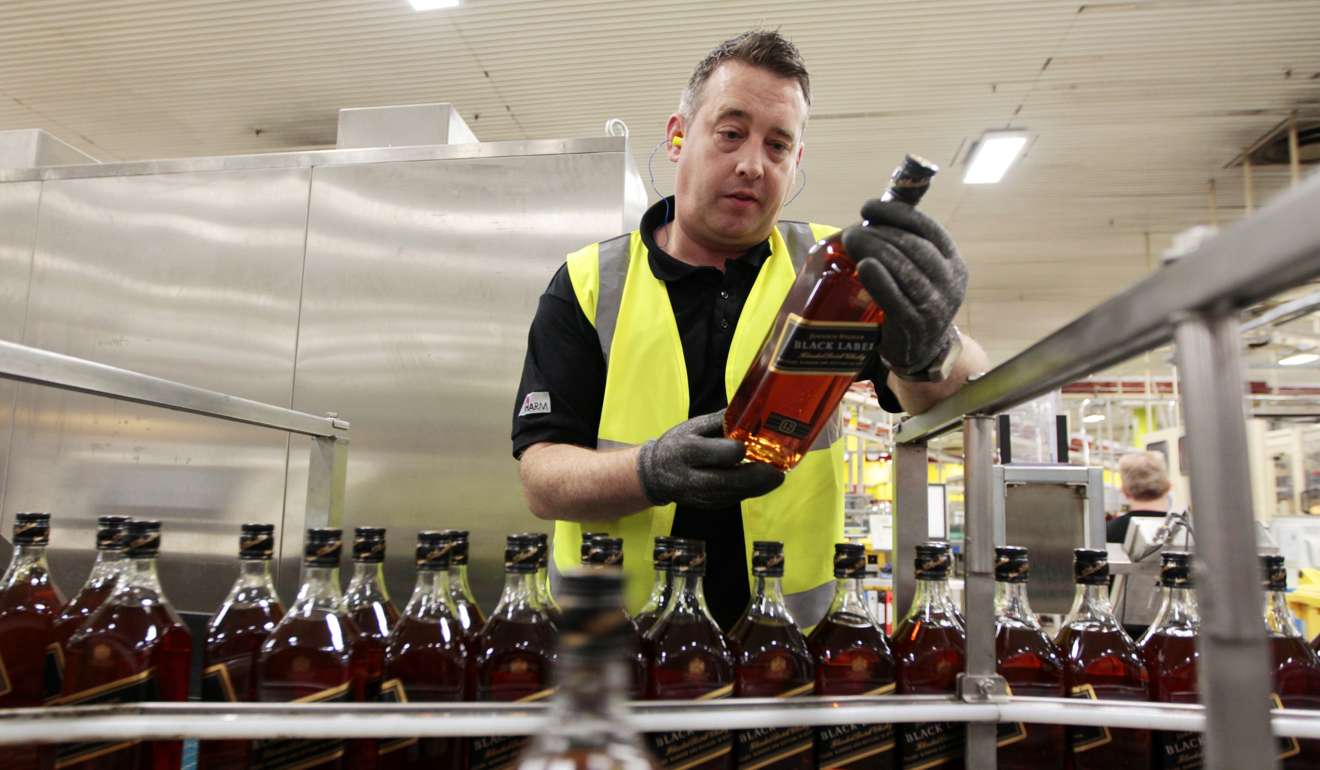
676 128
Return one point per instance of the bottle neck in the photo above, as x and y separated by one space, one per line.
848 600
660 589
1279 618
458 582
254 584
1178 612
768 601
28 563
319 591
1011 605
108 563
369 574
932 601
687 597
431 596
138 575
588 708
521 594
1091 608
543 589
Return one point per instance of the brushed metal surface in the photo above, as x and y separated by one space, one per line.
190 277
421 281
18 232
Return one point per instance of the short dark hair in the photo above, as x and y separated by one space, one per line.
766 49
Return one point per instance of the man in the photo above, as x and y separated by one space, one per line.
629 364
1145 480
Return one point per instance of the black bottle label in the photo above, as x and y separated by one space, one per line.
1179 750
137 688
1008 733
931 744
53 672
823 347
856 747
227 681
1288 746
501 751
691 749
290 754
780 748
1086 737
392 691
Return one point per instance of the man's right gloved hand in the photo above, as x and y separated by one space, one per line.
693 464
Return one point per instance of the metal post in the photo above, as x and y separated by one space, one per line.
910 518
1294 151
1248 187
1214 205
979 683
326 475
1233 670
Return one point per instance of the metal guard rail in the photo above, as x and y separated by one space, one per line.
317 720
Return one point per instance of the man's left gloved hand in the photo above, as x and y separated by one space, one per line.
911 267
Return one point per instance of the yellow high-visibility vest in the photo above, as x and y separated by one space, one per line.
646 394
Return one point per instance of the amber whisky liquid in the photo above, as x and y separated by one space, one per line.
111 537
1169 652
824 332
1294 666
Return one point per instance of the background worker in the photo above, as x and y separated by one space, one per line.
638 343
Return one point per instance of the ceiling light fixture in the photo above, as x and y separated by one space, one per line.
1094 418
433 5
994 154
1299 359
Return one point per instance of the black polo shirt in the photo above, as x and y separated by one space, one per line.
565 372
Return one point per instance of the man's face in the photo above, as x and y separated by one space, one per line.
740 153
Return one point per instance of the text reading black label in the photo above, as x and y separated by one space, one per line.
823 347
932 744
131 689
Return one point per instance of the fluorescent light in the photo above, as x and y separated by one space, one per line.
1094 418
993 155
432 5
1298 359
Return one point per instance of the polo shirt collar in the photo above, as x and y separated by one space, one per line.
668 268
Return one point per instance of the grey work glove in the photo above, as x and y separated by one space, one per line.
911 267
693 464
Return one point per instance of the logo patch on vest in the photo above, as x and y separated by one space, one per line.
536 402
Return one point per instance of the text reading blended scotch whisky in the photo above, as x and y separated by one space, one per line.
1294 667
29 604
852 657
1028 661
929 647
426 658
234 638
820 340
134 648
1100 661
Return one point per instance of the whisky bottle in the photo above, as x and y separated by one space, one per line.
111 539
587 537
426 659
929 648
368 601
134 648
233 641
852 657
820 340
1028 661
543 577
605 552
469 612
771 660
662 557
514 655
29 654
1101 662
1169 650
1294 667
313 655
689 660
587 727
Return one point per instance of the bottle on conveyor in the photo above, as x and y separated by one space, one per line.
134 648
426 659
543 577
930 650
1100 661
1169 650
588 728
852 657
315 654
771 660
29 655
662 557
1029 662
234 637
111 540
515 652
605 552
1294 666
689 659
469 612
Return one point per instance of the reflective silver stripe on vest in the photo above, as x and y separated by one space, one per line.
808 607
613 273
604 443
799 240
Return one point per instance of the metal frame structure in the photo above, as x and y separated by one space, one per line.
1195 304
329 454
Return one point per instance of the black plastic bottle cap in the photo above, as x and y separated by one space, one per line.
768 558
690 558
322 547
256 542
849 560
1276 575
933 560
458 555
32 529
112 533
662 554
521 553
1176 569
1012 564
605 552
143 539
434 550
369 545
1090 566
